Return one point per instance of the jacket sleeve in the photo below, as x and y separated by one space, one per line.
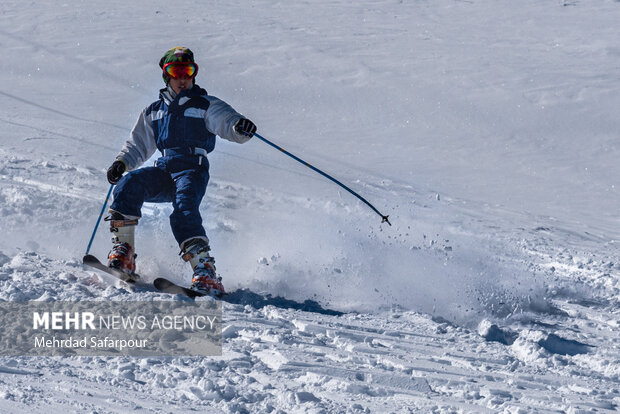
140 145
220 118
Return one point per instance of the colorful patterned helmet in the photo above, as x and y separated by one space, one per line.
176 54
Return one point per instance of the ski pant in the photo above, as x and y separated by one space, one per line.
184 189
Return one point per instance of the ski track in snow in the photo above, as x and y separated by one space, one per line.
497 289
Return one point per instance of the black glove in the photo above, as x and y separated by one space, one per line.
115 172
245 127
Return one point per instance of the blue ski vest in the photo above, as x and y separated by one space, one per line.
180 132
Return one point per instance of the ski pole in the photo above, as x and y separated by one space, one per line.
384 219
105 203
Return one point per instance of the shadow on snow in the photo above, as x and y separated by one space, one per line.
247 297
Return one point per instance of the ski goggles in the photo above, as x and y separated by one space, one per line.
181 70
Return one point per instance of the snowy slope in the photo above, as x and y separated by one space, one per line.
487 130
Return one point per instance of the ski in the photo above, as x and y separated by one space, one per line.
92 261
166 286
161 284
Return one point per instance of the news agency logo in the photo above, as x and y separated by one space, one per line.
88 320
154 328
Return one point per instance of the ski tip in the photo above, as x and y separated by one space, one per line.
89 258
161 283
167 286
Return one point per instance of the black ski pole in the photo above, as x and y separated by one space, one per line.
384 219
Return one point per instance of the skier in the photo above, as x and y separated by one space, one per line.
182 125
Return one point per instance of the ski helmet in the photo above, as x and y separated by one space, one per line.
176 54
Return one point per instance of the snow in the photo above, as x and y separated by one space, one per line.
487 130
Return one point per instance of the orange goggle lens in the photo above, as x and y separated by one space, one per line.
180 70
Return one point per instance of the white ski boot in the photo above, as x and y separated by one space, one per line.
205 280
122 256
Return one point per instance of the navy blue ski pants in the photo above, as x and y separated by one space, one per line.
183 189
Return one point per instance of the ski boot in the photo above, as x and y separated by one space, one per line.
205 281
122 256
